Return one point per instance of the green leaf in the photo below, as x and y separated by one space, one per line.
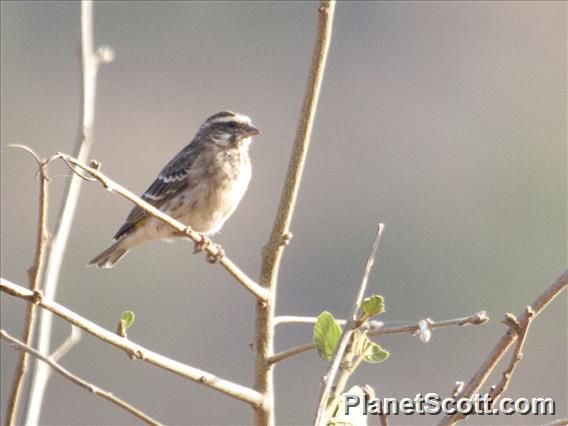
376 354
371 351
373 305
128 318
326 335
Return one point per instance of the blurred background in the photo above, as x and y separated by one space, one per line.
446 121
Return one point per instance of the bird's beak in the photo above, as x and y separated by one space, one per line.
249 130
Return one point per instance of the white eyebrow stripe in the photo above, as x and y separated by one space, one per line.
237 117
224 119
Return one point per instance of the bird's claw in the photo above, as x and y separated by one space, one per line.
214 258
201 245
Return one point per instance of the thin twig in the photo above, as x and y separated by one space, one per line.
21 346
34 277
89 67
522 330
211 249
291 319
368 266
475 319
291 352
349 363
229 388
280 235
348 332
30 151
504 343
68 343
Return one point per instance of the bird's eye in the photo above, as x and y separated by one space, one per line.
232 125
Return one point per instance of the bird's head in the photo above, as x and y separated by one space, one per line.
228 129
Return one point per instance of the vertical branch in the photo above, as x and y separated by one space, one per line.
368 266
272 253
90 62
346 338
34 276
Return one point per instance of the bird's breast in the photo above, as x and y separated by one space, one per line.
216 191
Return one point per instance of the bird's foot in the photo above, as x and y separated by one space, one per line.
214 258
202 244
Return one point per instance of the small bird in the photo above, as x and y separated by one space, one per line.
201 186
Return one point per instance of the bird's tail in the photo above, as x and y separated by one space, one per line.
110 256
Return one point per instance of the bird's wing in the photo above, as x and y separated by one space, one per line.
171 179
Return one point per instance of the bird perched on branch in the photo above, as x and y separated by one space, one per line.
201 186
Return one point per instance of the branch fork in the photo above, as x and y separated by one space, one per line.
521 328
517 331
52 362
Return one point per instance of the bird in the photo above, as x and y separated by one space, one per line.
201 186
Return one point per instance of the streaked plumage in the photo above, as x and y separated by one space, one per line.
201 186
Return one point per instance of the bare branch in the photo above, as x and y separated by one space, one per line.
288 319
211 249
90 63
30 151
350 328
504 343
475 319
280 236
231 389
291 352
68 343
522 330
34 277
365 279
77 380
